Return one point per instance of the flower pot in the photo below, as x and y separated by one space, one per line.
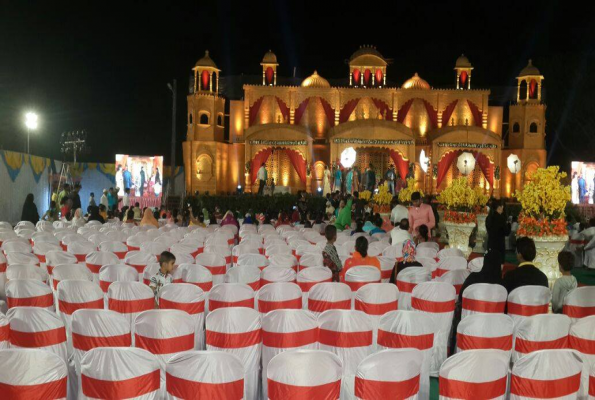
441 227
481 235
547 248
458 236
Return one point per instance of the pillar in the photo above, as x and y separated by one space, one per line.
211 82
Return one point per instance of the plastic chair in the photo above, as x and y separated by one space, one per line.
248 275
358 277
485 331
189 298
309 277
540 332
272 274
227 295
407 280
456 278
580 303
73 295
139 260
116 247
130 299
484 298
448 264
70 272
278 296
111 273
215 264
329 296
29 293
526 301
198 276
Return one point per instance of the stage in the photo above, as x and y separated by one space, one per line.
145 201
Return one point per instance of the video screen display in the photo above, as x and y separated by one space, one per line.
143 175
582 185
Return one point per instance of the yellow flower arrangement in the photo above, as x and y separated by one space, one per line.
365 195
482 201
544 200
545 196
459 196
405 193
383 197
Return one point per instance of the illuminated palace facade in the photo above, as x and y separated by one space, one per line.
298 129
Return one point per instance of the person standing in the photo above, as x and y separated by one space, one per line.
326 181
64 193
127 176
390 179
356 179
75 197
119 176
349 182
30 210
92 202
126 198
370 178
262 179
103 201
574 189
498 228
111 200
142 181
420 214
338 179
157 176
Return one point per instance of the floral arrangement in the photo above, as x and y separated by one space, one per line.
405 193
462 202
365 195
459 217
543 200
481 202
383 197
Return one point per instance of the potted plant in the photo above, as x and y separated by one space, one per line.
542 218
406 192
461 203
382 200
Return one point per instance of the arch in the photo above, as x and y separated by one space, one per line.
298 160
204 167
533 89
529 168
523 90
220 119
329 111
203 118
190 118
516 127
474 134
484 162
533 127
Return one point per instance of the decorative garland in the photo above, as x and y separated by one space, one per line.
468 145
372 141
280 142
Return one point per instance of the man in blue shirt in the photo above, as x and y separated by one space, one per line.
127 178
112 199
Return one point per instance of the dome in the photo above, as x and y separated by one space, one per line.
415 82
368 56
462 62
315 81
529 70
269 58
206 61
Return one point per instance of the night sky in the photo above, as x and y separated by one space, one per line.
104 66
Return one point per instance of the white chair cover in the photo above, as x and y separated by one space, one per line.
189 298
254 260
116 273
358 277
540 332
384 374
134 242
329 296
580 303
426 252
278 296
284 330
450 252
71 272
558 373
221 251
375 300
484 298
407 280
387 264
485 331
33 374
80 249
139 260
198 276
4 332
111 373
16 257
429 245
582 336
283 260
309 260
98 238
16 246
164 333
185 248
456 278
75 295
154 248
309 277
301 374
227 295
205 375
33 327
449 264
56 257
216 264
130 299
273 274
29 293
474 374
40 249
393 251
377 248
438 300
97 328
237 330
248 274
526 301
116 247
475 265
409 329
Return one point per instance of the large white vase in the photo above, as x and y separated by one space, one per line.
441 227
546 260
458 236
481 235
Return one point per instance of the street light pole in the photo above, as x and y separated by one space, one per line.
172 185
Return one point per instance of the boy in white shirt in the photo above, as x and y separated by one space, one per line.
164 274
566 283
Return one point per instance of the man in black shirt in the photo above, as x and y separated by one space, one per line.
526 273
75 197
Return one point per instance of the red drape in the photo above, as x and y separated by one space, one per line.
367 76
476 113
444 164
298 163
404 110
433 114
254 111
347 110
379 77
269 75
463 79
533 89
283 107
356 76
487 168
447 113
204 76
383 108
259 158
401 164
329 111
299 112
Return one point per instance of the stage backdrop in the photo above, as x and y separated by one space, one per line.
21 174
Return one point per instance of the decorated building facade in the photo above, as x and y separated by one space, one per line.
435 135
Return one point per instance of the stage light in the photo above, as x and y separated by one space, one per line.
424 161
514 163
239 187
466 163
319 190
348 157
31 122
